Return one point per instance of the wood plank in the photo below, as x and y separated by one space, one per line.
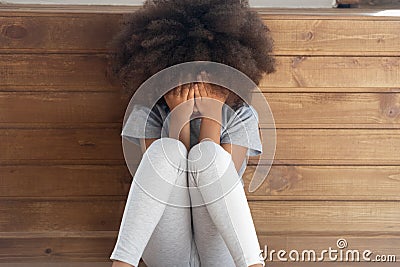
335 37
53 247
326 110
87 33
104 214
62 108
282 182
56 72
334 146
85 214
98 247
61 144
326 183
326 216
64 181
90 33
294 146
10 9
303 71
290 110
328 13
346 89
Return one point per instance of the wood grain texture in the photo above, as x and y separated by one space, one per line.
61 144
60 108
380 183
335 100
326 183
293 146
64 181
290 110
55 72
341 146
329 71
56 247
335 37
104 214
88 33
331 110
60 247
91 33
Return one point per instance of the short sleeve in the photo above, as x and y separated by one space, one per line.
142 122
242 129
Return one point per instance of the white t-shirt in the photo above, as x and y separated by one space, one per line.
239 127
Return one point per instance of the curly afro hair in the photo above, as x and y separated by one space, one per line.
163 33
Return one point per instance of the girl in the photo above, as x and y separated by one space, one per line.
202 153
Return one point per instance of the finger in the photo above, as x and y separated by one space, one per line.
168 94
200 89
209 89
203 90
207 85
177 90
191 92
185 90
197 91
171 93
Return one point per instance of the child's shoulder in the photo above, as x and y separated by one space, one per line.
244 112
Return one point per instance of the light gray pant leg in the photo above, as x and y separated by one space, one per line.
211 247
150 228
223 229
172 243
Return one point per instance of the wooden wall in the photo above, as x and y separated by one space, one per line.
335 98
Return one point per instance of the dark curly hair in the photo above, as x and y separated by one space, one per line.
163 33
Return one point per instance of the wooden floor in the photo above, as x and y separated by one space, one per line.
335 100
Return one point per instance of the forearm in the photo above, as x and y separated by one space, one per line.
211 126
179 129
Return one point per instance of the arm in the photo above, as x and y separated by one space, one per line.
211 129
237 152
184 135
211 110
180 116
176 130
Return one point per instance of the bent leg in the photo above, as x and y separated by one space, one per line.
153 187
219 190
211 246
172 243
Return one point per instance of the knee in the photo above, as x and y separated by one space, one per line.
167 152
207 157
201 153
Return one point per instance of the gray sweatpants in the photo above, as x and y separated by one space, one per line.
187 209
